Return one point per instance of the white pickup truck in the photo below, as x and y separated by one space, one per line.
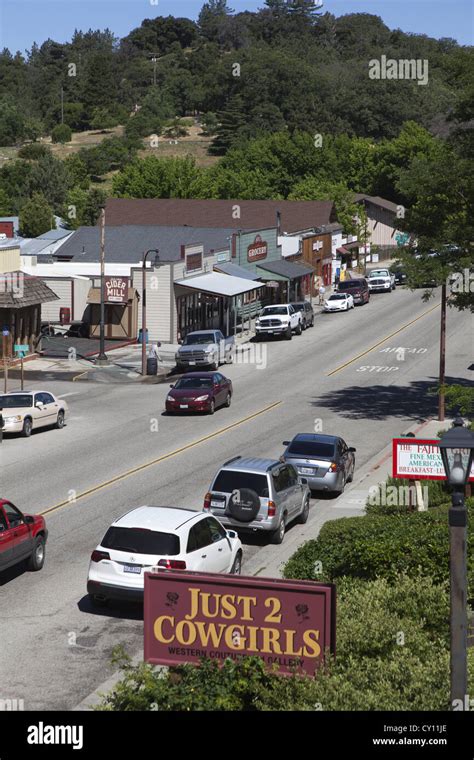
382 280
279 319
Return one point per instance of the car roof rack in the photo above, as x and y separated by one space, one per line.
229 461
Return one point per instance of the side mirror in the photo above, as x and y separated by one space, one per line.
286 443
232 534
28 519
180 342
351 448
171 386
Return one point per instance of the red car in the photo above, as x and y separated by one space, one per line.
199 392
22 537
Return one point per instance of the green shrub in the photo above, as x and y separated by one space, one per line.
33 151
392 654
381 546
380 500
62 133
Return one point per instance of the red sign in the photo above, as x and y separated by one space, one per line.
116 290
189 616
258 250
418 459
6 228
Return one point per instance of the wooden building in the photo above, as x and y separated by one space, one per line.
21 297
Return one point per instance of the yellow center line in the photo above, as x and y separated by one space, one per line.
384 340
144 466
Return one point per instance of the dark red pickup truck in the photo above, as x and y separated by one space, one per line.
22 537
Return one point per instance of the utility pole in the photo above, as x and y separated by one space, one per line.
442 354
155 61
102 358
62 105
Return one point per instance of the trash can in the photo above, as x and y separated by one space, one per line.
140 336
152 365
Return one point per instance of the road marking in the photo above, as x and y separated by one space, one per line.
72 393
380 342
163 458
81 375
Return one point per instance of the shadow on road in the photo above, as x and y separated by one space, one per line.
123 610
379 402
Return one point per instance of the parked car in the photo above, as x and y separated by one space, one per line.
22 537
357 288
163 537
325 461
25 411
204 348
399 274
381 280
279 319
307 313
339 302
258 495
199 392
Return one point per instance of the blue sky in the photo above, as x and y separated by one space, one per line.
23 22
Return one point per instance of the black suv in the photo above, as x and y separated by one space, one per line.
307 313
358 289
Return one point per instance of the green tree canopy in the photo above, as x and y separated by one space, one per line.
36 216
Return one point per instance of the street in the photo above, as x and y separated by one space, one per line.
119 451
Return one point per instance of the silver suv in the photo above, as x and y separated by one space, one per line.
258 495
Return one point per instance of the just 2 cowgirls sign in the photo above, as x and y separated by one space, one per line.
418 459
188 616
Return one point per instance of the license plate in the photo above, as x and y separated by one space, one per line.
218 504
184 406
132 569
306 470
192 364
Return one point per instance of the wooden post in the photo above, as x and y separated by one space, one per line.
442 353
21 372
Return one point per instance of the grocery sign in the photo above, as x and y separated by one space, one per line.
418 459
258 250
187 616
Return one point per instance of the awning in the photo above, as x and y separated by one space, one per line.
219 284
342 249
270 276
235 270
287 270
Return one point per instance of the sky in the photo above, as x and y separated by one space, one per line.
23 22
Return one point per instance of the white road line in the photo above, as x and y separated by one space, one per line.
72 393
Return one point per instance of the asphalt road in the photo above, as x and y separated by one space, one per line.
336 378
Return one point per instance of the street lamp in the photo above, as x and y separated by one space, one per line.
456 448
156 262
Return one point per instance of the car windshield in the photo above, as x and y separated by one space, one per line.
349 284
312 449
269 310
141 541
198 340
19 400
193 382
298 306
337 297
231 480
379 273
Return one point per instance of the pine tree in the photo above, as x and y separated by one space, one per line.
308 9
231 121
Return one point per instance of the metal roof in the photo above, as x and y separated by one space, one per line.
291 270
234 269
127 243
219 284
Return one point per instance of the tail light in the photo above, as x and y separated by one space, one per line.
271 509
333 467
97 556
207 502
172 564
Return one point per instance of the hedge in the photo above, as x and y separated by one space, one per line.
371 547
392 654
438 493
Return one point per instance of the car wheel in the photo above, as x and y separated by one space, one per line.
215 366
36 560
279 534
27 428
60 420
299 329
351 476
303 518
237 566
312 322
212 407
288 334
228 400
341 491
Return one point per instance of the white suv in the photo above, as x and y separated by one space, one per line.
381 279
165 537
